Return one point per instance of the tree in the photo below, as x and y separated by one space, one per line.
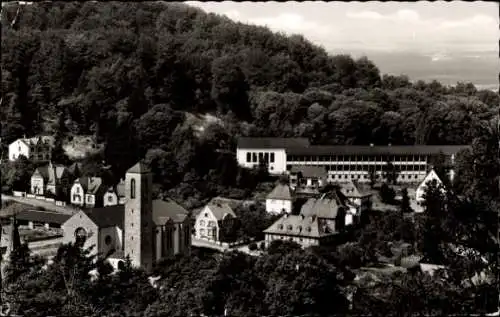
372 174
391 173
433 235
387 194
405 201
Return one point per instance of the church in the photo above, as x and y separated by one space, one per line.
143 229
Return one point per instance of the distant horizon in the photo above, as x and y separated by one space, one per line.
447 41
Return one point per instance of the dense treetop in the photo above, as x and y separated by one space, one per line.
130 74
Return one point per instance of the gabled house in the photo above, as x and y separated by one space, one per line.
356 197
280 200
419 193
331 213
50 179
88 192
211 220
36 149
304 230
307 176
115 195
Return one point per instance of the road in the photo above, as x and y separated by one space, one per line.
41 203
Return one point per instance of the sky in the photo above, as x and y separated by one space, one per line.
444 35
435 27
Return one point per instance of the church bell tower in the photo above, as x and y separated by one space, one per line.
138 222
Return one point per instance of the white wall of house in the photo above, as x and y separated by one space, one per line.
110 199
303 241
276 167
90 200
278 206
18 148
206 225
77 195
37 185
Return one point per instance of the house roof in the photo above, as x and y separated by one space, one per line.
139 168
349 189
109 216
74 168
51 172
94 185
37 139
298 225
220 210
310 171
163 210
375 150
322 208
40 216
430 176
271 143
120 188
281 192
233 203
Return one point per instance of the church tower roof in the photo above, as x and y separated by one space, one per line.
139 168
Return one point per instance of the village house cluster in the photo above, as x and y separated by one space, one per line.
320 197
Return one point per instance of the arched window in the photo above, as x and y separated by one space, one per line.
132 188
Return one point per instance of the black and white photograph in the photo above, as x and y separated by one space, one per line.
249 159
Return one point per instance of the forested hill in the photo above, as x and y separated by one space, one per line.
130 73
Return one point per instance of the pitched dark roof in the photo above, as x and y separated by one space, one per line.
310 171
41 216
349 189
139 168
281 191
51 172
322 208
221 210
271 143
120 188
298 225
163 210
109 216
376 150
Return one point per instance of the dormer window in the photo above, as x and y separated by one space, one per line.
289 227
280 227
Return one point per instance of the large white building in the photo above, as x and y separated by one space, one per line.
343 162
37 149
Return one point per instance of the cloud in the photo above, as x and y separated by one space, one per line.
400 15
233 14
475 21
365 15
291 23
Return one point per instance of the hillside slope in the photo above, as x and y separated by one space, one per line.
131 74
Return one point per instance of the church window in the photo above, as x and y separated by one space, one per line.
107 240
110 198
132 188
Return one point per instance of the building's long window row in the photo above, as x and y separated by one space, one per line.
357 158
256 157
